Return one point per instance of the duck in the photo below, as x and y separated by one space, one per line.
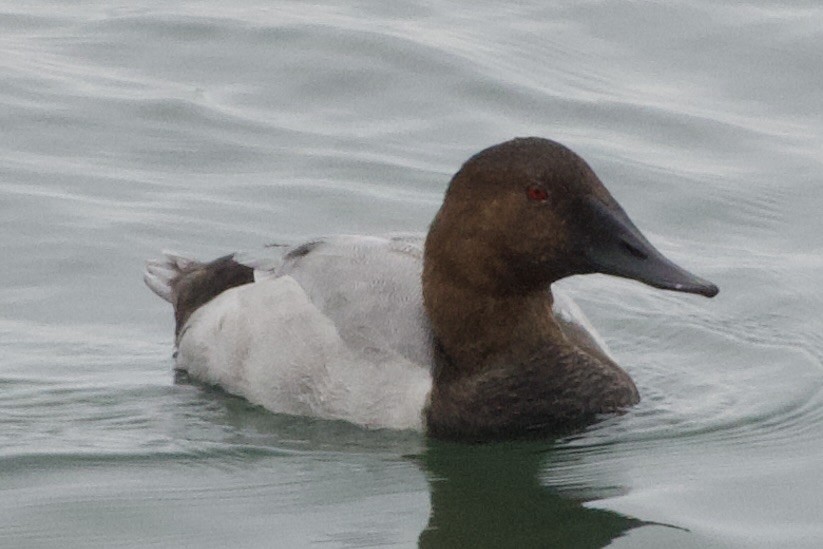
457 333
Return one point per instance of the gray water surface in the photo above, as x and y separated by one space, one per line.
203 127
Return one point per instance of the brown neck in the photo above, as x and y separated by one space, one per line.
503 367
478 306
475 326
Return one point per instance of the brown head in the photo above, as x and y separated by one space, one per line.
517 217
525 213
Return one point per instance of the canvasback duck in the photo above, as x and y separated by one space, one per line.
459 336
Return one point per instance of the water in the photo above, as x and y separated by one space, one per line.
132 127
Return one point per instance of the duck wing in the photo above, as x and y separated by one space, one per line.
368 286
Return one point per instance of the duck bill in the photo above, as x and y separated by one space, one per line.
618 248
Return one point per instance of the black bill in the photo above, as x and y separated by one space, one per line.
617 247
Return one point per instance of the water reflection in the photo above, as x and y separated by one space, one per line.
491 496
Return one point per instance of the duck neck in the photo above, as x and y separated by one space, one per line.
478 306
475 326
503 367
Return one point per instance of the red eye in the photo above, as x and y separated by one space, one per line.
536 193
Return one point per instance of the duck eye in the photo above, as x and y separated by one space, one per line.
537 194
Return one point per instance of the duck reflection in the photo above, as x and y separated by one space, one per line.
491 496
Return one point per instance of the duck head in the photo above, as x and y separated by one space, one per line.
525 213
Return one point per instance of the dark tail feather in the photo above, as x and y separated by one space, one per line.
188 284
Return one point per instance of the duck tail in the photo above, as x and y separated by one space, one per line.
161 275
189 284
